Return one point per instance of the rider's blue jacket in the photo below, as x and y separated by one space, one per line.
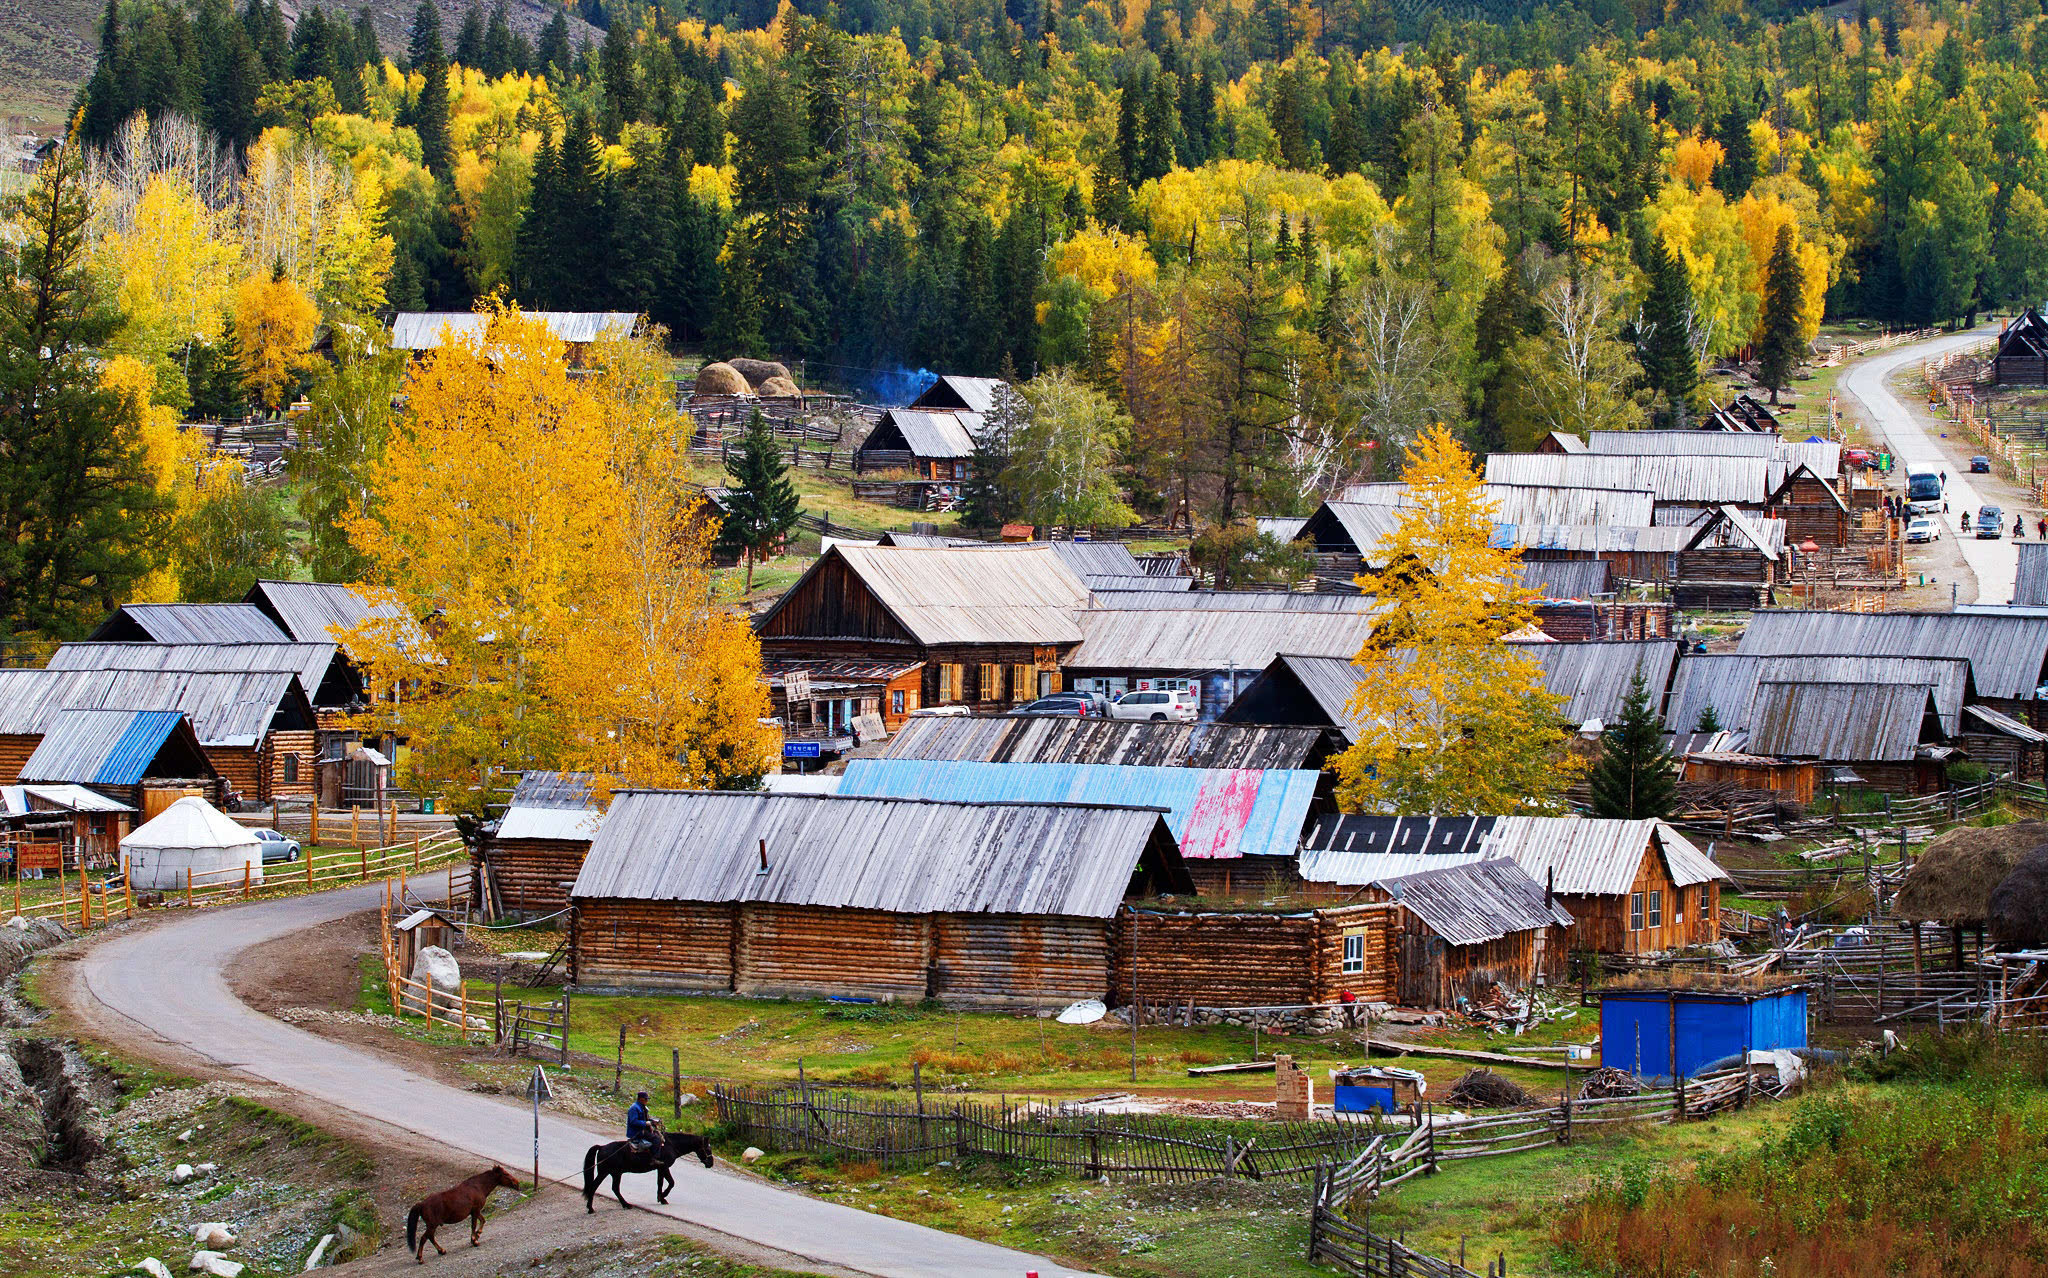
636 1121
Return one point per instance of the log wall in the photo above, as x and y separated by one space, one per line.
680 945
528 874
240 767
803 951
1015 958
14 752
275 747
1377 983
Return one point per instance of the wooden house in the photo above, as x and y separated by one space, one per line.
70 824
1730 560
2022 358
146 759
1212 645
821 699
1464 929
932 438
991 628
1812 508
1793 780
537 848
1208 957
1631 887
419 333
808 896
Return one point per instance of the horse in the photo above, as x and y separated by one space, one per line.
619 1158
451 1205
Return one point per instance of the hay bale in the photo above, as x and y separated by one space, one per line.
2018 907
720 379
757 371
1954 877
778 388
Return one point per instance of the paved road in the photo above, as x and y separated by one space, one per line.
1995 564
169 982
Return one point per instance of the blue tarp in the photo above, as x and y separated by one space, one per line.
1214 812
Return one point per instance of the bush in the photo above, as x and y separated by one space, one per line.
1966 773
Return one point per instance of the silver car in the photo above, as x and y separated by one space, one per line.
276 846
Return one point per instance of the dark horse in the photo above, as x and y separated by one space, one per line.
451 1205
619 1158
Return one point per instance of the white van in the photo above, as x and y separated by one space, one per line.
1178 705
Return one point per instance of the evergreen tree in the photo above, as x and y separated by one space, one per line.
536 268
643 237
985 502
105 97
369 50
1737 170
429 114
1664 344
499 57
1506 315
80 519
621 81
1635 776
1709 721
469 41
219 381
1779 348
552 56
761 502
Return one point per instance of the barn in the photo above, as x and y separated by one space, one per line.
538 847
811 896
933 436
1465 929
2022 358
1631 887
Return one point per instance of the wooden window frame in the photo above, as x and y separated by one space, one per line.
1022 676
951 676
989 682
1635 911
1353 964
895 701
1656 907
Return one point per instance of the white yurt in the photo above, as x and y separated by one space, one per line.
192 835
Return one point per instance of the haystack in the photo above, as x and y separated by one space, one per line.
1953 879
720 379
778 387
2019 904
757 371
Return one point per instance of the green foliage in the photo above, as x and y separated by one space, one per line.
1664 338
1635 776
1710 721
1061 456
1779 348
232 537
761 502
1243 556
344 442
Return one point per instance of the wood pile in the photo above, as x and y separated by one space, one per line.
1483 1089
1606 1083
1728 806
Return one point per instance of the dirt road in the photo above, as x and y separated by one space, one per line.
1918 446
169 985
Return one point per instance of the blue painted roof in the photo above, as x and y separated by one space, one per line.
1216 813
100 747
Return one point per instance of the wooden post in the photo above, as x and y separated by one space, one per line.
313 820
565 1026
246 868
498 1004
415 856
1135 1009
128 891
355 825
363 859
393 805
17 880
188 887
675 1078
619 1062
84 896
309 866
427 989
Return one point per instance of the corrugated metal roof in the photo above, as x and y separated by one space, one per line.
1352 527
1199 639
1159 594
1728 682
1588 856
2030 588
1840 722
1024 594
1096 558
101 747
1476 901
538 789
2006 653
978 393
1329 681
311 662
1685 478
1557 579
899 855
1593 539
20 800
1214 813
191 623
312 611
1593 677
1281 528
231 708
422 330
1102 585
551 805
1060 739
936 433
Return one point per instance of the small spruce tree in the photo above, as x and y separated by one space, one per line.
1709 721
985 500
1778 349
1635 776
761 504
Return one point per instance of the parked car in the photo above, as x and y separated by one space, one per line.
1980 465
1178 705
1858 457
1078 705
276 846
1921 528
1990 523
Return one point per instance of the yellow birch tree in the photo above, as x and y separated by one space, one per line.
275 321
1451 719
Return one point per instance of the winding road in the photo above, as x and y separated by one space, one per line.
169 982
1995 564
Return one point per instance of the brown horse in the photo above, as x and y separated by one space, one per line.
451 1205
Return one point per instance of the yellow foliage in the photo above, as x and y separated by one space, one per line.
714 185
1345 211
170 456
1694 160
1106 262
275 322
172 268
1708 237
1763 211
1451 719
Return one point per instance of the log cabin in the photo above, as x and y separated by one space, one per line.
2022 358
86 826
991 627
818 699
1631 887
809 896
1462 930
1226 958
933 437
146 759
537 848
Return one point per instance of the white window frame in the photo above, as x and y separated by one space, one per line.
1656 907
1354 953
1635 911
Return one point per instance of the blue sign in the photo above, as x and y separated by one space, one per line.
802 750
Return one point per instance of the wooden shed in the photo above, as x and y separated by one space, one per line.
1631 887
1256 958
146 759
2022 358
538 846
1464 929
808 896
1794 780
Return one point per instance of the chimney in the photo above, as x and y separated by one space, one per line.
764 858
1549 883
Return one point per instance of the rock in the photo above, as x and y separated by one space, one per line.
154 1268
214 1235
688 1098
181 1173
18 923
204 1169
438 968
752 1154
319 1256
185 1137
212 1262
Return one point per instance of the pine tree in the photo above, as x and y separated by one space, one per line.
1635 776
985 501
1664 346
761 502
469 41
534 261
1709 720
1737 170
552 57
429 114
498 56
1779 347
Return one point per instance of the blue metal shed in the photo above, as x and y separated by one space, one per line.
1641 1030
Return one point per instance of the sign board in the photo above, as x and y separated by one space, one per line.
796 686
40 856
868 727
537 1086
802 750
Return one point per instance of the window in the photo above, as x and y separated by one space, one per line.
949 683
1678 905
1656 909
291 769
1023 678
991 682
1354 952
1635 911
896 701
1048 683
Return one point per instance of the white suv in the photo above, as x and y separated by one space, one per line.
1178 705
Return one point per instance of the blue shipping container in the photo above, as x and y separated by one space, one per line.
1639 1029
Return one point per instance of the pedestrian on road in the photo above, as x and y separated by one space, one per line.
1944 479
2041 527
2019 528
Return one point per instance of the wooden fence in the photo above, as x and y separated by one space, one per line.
411 997
380 825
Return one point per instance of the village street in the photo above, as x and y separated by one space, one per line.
1994 563
170 983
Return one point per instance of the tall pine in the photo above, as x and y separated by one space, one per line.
761 502
429 114
1635 776
1779 348
1664 346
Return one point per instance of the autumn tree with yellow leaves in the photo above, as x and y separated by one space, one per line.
1451 719
276 321
539 528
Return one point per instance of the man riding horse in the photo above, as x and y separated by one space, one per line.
643 1130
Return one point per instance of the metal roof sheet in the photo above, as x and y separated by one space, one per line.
423 330
1536 504
1329 681
906 856
1022 595
1593 677
1593 539
1588 856
2007 654
100 747
1840 722
20 800
311 662
1096 558
1681 443
1728 682
1281 528
1159 593
191 623
2030 587
1689 477
314 612
1200 639
2004 724
935 432
1351 527
1559 579
1474 902
977 393
1061 739
227 708
573 825
540 789
1214 813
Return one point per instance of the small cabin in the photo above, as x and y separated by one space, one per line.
2022 358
